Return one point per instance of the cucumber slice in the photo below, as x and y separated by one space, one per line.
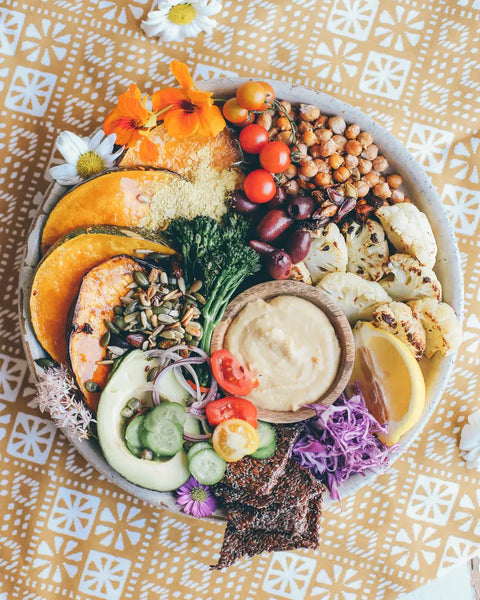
264 451
165 410
207 467
197 447
132 435
266 433
165 440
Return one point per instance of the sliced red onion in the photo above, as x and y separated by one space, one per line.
196 437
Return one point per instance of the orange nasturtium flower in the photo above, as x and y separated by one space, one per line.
130 120
187 111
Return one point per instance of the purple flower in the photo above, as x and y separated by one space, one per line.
196 499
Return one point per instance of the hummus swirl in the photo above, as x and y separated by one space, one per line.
290 345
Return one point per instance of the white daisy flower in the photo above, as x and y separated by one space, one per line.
175 20
84 157
470 441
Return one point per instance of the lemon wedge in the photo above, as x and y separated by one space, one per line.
390 379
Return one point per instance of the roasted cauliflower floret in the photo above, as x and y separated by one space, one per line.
397 318
301 273
367 249
328 252
406 279
441 325
357 297
409 231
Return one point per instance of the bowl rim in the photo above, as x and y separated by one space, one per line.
415 177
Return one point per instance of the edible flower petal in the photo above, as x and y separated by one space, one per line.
84 157
196 499
187 111
470 441
175 20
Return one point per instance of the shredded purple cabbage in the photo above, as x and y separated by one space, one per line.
340 441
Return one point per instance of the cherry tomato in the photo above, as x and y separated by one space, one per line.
252 138
270 94
231 376
259 186
233 112
231 408
233 439
275 157
251 95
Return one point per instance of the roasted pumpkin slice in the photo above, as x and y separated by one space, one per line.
101 290
185 155
116 198
59 276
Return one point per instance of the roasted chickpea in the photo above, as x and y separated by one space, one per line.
380 163
265 120
365 139
353 147
370 152
322 165
323 180
382 190
397 196
309 138
323 135
308 168
337 124
341 174
371 179
290 171
327 148
352 131
364 166
291 187
340 142
351 162
394 181
335 161
362 188
309 112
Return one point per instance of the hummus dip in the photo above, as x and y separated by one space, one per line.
290 345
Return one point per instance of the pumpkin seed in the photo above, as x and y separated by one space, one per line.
126 412
141 279
92 387
111 327
160 310
46 363
152 373
187 337
120 322
118 310
157 256
105 339
174 313
134 403
132 307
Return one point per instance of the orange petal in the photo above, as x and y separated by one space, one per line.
167 97
148 150
198 98
182 74
181 124
211 121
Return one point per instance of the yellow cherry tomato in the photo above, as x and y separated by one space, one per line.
235 438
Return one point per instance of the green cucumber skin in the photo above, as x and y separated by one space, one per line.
264 451
266 434
197 447
207 458
132 435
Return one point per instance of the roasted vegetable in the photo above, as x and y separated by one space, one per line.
59 276
180 155
101 290
117 198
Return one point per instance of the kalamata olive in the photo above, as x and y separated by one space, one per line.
241 204
278 201
279 264
261 247
273 224
300 207
299 245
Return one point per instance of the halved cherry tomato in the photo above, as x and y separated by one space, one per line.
234 439
231 407
231 376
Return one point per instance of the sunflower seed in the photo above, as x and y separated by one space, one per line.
168 335
157 330
171 295
200 298
145 345
111 327
118 310
187 317
131 317
164 278
174 313
132 285
126 412
105 362
143 299
116 350
194 329
152 290
181 285
141 251
153 276
143 318
166 319
154 320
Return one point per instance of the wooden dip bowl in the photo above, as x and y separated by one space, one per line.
271 289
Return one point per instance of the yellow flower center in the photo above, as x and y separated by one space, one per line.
90 164
182 14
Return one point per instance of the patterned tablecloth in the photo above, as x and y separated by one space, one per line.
413 65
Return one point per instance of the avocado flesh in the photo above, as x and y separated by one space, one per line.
126 383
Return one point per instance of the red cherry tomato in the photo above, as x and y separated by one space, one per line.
233 112
231 376
231 408
251 95
252 138
275 157
270 94
259 186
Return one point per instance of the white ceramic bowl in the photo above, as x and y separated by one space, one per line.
419 188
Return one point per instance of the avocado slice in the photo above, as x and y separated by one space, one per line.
125 383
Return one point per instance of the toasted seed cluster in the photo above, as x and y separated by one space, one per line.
329 155
157 312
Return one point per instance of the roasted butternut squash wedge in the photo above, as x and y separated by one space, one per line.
184 155
119 197
59 276
101 290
